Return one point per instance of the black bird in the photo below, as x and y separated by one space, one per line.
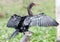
21 24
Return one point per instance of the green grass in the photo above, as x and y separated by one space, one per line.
41 34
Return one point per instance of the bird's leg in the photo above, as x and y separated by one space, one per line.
13 34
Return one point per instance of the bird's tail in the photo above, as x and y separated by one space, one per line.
13 34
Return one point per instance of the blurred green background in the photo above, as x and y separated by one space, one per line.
10 7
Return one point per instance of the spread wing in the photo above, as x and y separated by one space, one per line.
14 21
40 20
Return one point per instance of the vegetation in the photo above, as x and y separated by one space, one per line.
41 34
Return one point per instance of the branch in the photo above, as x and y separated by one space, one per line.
26 36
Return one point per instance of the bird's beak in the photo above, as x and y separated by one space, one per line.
36 4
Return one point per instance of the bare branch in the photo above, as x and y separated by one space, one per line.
26 37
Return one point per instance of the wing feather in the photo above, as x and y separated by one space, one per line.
40 20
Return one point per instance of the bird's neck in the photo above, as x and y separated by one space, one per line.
30 12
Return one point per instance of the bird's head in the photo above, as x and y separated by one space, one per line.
32 4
